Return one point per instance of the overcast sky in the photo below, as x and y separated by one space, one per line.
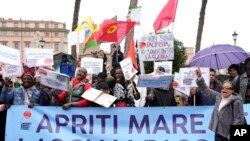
223 17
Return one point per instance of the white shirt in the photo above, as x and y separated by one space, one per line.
224 101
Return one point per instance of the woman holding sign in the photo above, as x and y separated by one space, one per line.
228 109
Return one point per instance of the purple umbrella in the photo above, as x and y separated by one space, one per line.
219 56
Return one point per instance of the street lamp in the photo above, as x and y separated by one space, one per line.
42 43
235 35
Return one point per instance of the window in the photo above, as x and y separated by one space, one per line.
16 45
16 33
56 47
3 33
46 25
26 33
27 25
16 24
4 24
56 34
4 43
56 25
47 34
27 45
36 25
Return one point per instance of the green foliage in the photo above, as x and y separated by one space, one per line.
178 62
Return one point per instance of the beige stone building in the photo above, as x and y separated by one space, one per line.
190 54
22 34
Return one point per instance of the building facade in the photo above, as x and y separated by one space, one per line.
20 34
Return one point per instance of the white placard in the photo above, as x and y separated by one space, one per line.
177 86
156 47
76 37
167 65
11 71
10 56
188 77
99 97
38 57
127 68
92 63
52 79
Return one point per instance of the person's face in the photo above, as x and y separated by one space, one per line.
119 75
193 90
81 74
212 76
64 59
226 90
27 81
233 72
106 91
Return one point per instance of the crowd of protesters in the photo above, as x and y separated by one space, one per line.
236 90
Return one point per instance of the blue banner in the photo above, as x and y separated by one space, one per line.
112 124
155 81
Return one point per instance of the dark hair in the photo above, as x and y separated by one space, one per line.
161 69
234 66
103 86
102 75
246 62
213 70
64 56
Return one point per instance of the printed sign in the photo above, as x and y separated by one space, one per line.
154 81
9 56
51 123
38 57
177 85
52 79
167 65
188 77
92 63
127 68
156 47
11 71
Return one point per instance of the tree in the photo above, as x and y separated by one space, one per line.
200 26
133 3
74 25
180 58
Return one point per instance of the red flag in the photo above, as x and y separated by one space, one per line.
114 31
166 16
131 52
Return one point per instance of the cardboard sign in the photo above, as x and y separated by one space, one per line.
127 68
99 97
11 71
38 57
156 47
52 79
9 56
188 77
92 63
154 81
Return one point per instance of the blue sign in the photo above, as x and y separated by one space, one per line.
113 124
154 81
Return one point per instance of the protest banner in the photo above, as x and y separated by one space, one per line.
177 85
9 56
99 97
127 68
52 79
167 65
11 71
38 57
188 77
154 81
76 37
156 47
50 123
92 63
